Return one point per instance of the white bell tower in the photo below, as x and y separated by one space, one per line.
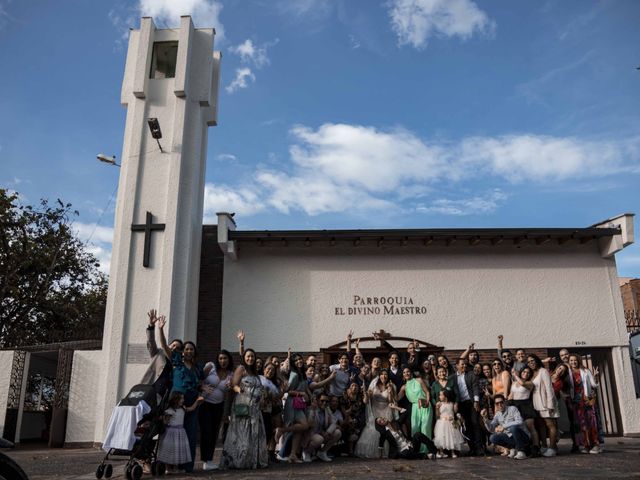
170 90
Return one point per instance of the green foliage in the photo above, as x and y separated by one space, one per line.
50 287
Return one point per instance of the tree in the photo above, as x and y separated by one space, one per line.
50 287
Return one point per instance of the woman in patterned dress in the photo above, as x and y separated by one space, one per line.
246 445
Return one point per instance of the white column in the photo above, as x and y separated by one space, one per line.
167 183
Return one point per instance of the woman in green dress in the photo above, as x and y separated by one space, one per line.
417 392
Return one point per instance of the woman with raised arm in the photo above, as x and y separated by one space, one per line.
246 446
583 393
295 417
379 400
520 397
187 379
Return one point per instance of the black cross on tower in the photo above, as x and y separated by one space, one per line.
147 228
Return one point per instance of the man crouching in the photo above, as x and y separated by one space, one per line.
507 428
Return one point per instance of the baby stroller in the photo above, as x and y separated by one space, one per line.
134 423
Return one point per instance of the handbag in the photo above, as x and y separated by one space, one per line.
299 403
241 407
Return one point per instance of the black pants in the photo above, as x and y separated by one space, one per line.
417 440
210 416
471 425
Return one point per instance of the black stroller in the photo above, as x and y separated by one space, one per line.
145 448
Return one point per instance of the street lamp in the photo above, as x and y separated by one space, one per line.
110 160
154 127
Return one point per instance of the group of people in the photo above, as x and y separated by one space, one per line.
412 405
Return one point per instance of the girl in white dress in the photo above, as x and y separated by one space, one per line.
445 434
173 448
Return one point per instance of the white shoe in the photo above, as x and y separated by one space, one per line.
323 456
582 449
209 465
439 455
595 449
549 452
306 458
520 455
281 459
512 453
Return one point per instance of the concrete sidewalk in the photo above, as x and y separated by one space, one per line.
621 460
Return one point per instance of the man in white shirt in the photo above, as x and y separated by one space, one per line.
507 428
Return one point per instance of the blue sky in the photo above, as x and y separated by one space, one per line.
348 114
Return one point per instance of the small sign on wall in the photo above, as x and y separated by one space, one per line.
137 353
392 305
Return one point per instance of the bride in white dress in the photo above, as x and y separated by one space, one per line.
379 398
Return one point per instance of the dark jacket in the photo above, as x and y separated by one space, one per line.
473 387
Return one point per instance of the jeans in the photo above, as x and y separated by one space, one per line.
518 438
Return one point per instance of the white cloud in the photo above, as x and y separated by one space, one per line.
359 169
222 198
354 42
98 240
487 203
204 13
310 9
103 254
89 232
415 21
226 157
242 75
376 160
255 55
519 158
5 18
315 194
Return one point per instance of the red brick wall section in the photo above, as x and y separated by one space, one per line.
210 294
631 295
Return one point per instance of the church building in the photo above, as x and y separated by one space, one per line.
541 288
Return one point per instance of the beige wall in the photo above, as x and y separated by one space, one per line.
6 359
548 296
87 378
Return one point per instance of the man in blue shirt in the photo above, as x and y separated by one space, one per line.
507 428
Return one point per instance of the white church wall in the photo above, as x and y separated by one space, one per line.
549 296
629 404
86 379
6 359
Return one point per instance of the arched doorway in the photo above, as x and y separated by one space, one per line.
380 344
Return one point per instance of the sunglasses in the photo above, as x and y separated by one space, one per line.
497 363
498 403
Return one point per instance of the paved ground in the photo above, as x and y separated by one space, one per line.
620 461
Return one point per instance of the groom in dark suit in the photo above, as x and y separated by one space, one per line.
469 406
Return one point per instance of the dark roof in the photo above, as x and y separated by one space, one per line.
588 233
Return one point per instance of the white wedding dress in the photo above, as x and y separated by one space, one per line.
378 406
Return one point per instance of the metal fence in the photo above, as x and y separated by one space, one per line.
633 320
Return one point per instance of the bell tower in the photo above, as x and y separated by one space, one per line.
170 91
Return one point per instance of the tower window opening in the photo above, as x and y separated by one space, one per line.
163 60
